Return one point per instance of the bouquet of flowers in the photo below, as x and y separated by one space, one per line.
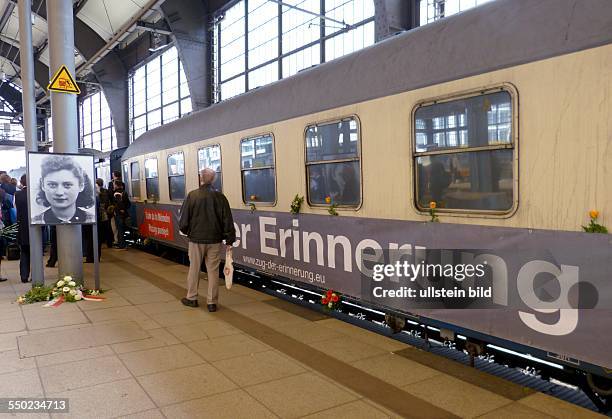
331 300
36 294
67 290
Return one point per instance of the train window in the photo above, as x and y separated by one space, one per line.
126 178
176 176
464 153
257 167
103 170
152 179
211 157
135 179
333 163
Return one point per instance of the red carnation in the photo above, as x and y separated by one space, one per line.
334 298
324 301
329 293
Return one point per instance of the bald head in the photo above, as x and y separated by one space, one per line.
207 176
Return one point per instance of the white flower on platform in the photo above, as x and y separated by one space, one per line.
60 283
66 289
330 305
72 283
67 278
73 292
77 297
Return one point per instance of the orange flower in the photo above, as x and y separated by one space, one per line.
253 197
432 205
328 199
594 214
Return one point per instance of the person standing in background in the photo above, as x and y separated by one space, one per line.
2 239
53 249
122 205
5 183
23 232
111 184
111 191
105 210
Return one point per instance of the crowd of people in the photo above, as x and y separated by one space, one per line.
112 207
206 219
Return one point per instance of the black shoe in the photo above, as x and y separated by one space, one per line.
3 279
212 308
189 303
25 281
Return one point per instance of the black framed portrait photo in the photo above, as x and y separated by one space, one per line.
61 188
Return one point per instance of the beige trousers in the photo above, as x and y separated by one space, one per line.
211 255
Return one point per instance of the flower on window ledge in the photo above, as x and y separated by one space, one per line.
432 212
296 204
332 208
594 226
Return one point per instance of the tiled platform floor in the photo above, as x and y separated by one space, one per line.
141 354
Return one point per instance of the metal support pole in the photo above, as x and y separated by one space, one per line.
96 255
64 113
29 125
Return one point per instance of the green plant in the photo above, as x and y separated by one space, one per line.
432 212
35 295
252 207
332 209
296 204
594 226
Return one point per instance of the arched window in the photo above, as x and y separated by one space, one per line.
158 93
96 123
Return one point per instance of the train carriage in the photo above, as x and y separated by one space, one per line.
511 140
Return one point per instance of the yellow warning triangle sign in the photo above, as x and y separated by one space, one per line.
63 82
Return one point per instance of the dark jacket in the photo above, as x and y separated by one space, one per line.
23 217
104 202
9 188
206 217
6 204
122 204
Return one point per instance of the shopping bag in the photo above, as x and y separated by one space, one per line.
228 270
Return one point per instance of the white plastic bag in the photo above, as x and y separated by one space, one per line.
228 270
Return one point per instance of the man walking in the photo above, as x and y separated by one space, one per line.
206 218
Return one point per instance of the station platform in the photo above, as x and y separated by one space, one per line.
142 354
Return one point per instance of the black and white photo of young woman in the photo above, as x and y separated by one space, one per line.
64 193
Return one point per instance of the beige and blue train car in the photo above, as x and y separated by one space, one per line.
501 115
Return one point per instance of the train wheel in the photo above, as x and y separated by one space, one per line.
602 386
